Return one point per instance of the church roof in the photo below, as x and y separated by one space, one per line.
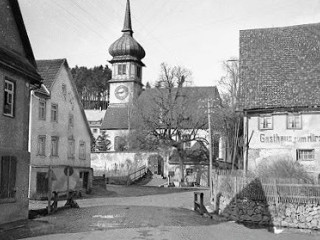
280 67
117 117
126 48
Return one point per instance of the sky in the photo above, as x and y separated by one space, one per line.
196 34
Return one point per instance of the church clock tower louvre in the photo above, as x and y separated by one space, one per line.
125 85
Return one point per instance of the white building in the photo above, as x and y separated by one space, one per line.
279 73
60 136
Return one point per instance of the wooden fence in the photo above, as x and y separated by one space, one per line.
267 189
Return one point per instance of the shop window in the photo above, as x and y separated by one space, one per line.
305 154
42 109
265 122
294 121
9 97
8 177
42 145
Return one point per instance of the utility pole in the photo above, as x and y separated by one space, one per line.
210 151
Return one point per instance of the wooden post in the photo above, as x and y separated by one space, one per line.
49 188
201 203
215 193
195 201
68 184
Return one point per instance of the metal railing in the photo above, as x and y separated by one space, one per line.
137 174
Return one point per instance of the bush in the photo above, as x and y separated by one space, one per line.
283 168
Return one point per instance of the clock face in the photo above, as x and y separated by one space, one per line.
121 92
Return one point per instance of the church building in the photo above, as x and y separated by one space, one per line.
125 85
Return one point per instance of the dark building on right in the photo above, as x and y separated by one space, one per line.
280 95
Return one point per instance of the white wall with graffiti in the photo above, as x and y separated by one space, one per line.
122 163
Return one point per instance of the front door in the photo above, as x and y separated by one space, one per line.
85 180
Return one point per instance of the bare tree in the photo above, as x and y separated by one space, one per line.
231 121
229 83
171 115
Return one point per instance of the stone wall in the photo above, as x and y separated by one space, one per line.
119 163
303 215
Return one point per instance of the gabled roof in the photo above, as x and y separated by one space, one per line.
116 117
49 70
280 67
13 61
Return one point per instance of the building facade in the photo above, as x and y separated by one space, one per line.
60 136
126 84
279 73
18 75
95 118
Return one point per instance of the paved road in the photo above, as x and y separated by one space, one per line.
225 231
165 217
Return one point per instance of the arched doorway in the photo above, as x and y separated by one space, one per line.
156 164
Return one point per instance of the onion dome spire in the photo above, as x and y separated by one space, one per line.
126 48
127 27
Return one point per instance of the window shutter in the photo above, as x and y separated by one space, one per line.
8 176
5 164
12 179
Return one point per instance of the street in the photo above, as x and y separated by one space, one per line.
162 216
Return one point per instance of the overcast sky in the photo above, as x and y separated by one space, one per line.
197 34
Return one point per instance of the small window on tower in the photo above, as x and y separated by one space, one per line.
138 71
121 69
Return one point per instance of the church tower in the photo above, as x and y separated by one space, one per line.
126 85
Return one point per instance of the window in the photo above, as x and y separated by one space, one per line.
42 182
42 145
8 177
82 150
294 121
8 106
121 69
70 122
119 144
187 142
54 146
94 130
71 148
54 112
64 91
305 154
265 122
138 71
42 109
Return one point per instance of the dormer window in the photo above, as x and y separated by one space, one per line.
122 69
